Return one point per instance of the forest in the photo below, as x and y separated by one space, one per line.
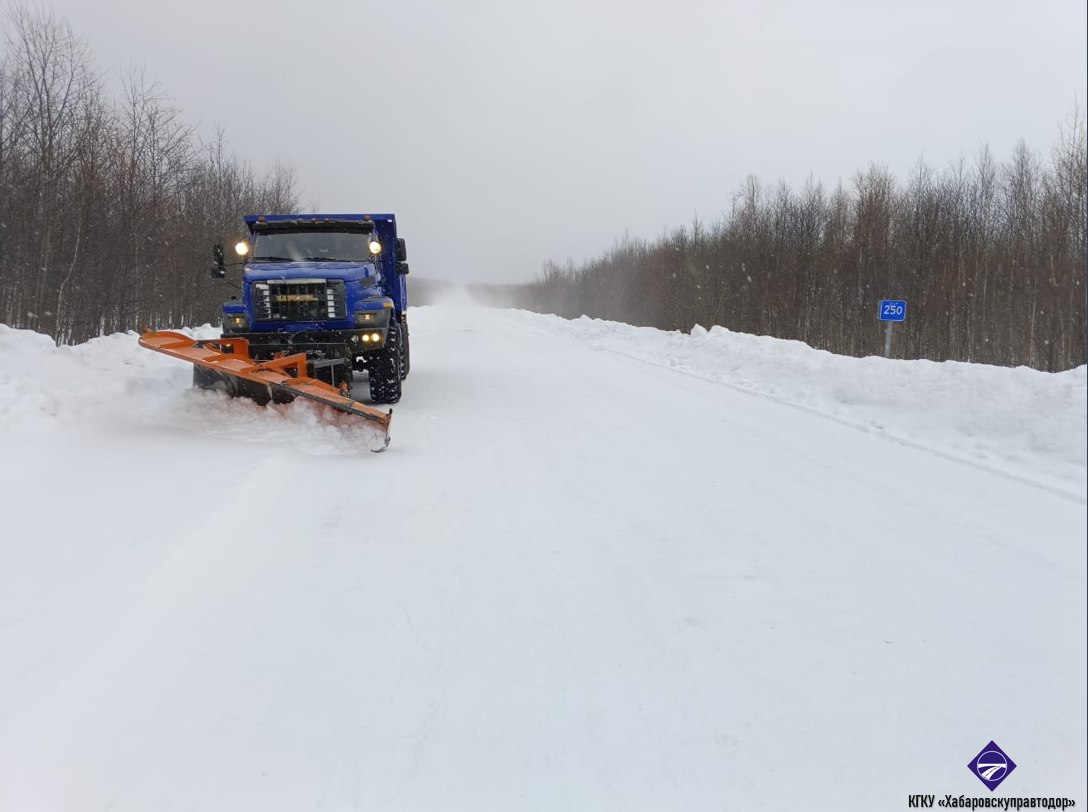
990 256
109 201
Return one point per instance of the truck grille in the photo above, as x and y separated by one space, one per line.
299 300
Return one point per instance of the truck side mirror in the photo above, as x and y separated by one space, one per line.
218 271
402 250
402 268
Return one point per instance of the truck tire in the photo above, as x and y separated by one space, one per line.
405 355
385 367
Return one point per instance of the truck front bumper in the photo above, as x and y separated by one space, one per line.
317 344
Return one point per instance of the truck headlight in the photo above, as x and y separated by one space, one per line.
372 318
235 323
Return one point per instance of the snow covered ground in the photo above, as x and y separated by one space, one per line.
600 567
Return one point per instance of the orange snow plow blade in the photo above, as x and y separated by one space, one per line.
280 380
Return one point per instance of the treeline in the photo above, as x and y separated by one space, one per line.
990 257
108 205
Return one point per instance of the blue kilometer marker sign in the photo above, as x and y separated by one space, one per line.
893 310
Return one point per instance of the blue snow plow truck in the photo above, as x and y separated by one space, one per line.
331 286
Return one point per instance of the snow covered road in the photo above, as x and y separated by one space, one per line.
589 573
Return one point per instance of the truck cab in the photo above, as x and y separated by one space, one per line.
329 285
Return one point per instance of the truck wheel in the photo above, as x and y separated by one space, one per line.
405 355
384 367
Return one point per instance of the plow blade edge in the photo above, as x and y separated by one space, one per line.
280 380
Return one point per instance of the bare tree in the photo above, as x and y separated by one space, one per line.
108 206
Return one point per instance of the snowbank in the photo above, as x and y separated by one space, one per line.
1018 421
112 380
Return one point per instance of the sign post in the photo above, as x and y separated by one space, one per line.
891 311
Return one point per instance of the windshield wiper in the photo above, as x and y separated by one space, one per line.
325 259
272 259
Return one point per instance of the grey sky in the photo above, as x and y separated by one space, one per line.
503 134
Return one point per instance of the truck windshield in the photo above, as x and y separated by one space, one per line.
311 246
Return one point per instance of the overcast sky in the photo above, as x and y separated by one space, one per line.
503 134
